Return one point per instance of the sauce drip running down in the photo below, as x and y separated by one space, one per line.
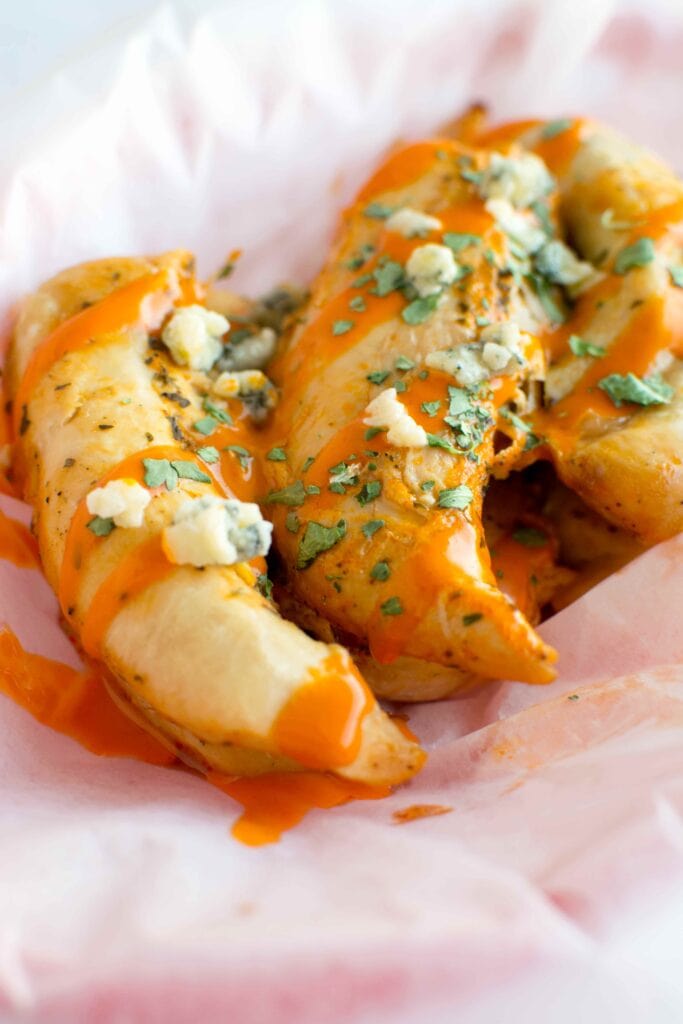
73 703
320 726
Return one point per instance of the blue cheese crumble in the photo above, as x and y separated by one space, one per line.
216 531
123 500
193 336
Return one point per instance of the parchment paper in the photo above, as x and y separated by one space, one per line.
554 889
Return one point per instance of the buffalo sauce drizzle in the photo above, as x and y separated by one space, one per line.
75 703
144 301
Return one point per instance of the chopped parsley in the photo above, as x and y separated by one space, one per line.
206 425
629 388
435 441
392 606
380 572
400 386
431 408
360 257
277 455
159 473
458 401
357 304
389 277
459 240
377 376
378 211
316 539
639 254
427 485
222 415
677 276
264 586
294 495
342 326
455 497
403 363
545 295
361 281
372 432
553 128
419 310
515 420
471 618
308 463
530 537
101 527
585 348
370 491
242 454
370 528
208 453
312 489
292 522
190 471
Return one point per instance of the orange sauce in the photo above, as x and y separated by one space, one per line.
406 164
556 343
559 151
145 300
17 544
275 803
503 135
417 811
320 725
519 564
138 570
73 703
241 477
446 553
646 334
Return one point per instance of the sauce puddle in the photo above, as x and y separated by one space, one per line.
275 803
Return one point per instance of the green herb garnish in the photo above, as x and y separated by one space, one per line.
469 620
380 571
316 539
419 310
208 453
277 455
403 364
553 128
101 527
342 327
370 491
431 408
294 495
392 606
459 240
378 211
243 454
370 528
377 376
455 497
585 348
629 388
639 254
292 522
